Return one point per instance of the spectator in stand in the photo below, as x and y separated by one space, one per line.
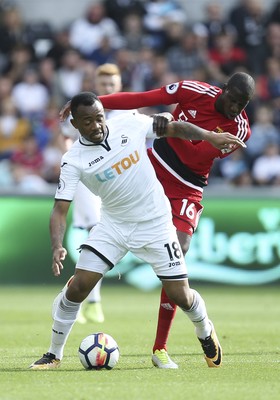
104 53
273 77
87 32
226 55
20 59
235 169
273 41
52 154
126 61
29 156
31 97
135 37
54 148
159 13
249 18
266 168
269 87
215 23
27 167
13 129
187 59
60 44
118 10
263 132
13 32
174 31
69 76
6 86
47 75
142 68
159 67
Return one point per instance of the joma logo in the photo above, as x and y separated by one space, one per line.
95 161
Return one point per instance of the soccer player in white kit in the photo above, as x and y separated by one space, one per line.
111 160
86 206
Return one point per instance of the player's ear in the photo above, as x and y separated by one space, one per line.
73 122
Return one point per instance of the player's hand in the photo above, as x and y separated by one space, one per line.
65 111
59 255
226 142
160 122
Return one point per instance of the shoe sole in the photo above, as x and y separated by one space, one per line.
45 366
163 366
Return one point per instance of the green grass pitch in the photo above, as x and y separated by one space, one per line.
247 321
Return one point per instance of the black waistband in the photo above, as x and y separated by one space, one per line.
168 155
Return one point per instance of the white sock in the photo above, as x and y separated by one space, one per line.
95 296
64 317
198 315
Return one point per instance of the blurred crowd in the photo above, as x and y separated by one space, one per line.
153 43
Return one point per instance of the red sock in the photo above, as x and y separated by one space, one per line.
166 314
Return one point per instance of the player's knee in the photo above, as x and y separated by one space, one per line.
182 298
77 290
184 301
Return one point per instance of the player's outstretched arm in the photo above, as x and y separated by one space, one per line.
188 131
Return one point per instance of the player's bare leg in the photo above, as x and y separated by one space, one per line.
65 314
166 315
91 310
192 304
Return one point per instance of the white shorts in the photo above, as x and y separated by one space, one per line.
155 242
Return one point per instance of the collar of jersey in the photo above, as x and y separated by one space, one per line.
86 142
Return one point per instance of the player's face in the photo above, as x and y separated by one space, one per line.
232 102
108 84
90 122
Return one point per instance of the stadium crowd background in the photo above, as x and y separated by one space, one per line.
153 43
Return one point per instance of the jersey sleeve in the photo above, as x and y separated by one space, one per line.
129 100
68 181
147 123
165 95
242 131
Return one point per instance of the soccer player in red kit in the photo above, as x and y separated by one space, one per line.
183 167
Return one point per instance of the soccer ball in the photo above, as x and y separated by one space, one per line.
98 351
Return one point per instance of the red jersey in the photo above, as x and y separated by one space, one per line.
183 166
196 104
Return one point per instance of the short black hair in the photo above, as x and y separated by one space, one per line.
84 99
242 81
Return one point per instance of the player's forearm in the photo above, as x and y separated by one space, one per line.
57 230
131 100
188 131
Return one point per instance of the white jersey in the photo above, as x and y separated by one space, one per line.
86 210
118 170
